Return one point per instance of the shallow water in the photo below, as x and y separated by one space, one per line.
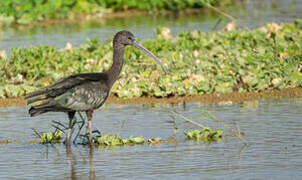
273 133
249 13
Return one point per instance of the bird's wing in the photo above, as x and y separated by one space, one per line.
63 85
87 96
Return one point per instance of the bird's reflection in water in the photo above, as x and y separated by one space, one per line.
71 163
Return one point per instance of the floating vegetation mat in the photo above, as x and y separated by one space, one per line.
206 136
265 58
114 140
104 140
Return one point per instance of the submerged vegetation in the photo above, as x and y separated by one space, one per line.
268 57
28 11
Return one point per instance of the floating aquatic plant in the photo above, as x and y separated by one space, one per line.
114 140
207 135
51 137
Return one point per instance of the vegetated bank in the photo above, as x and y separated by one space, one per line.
28 11
266 58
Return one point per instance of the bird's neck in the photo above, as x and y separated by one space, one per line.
115 70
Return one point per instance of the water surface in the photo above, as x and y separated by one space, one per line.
273 133
273 128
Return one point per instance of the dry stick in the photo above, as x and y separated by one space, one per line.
121 127
209 115
57 128
214 118
217 23
175 128
188 120
240 137
36 132
57 125
241 149
221 12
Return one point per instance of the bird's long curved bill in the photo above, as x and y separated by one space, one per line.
150 54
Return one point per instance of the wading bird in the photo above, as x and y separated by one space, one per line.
86 91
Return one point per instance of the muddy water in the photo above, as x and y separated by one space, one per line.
273 132
249 14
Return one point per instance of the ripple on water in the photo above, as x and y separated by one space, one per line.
272 131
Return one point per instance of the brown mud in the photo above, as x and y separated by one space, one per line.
227 98
6 141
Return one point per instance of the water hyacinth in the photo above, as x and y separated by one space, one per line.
104 140
265 58
207 135
51 137
114 140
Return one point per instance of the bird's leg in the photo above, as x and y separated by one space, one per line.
70 116
89 116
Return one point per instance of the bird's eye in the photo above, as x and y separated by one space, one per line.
129 38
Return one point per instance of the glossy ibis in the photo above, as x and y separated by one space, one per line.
86 91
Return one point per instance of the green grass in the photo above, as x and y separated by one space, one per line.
268 57
155 4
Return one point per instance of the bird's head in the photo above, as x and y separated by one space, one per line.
125 38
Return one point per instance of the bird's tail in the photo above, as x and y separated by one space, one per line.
46 106
35 112
39 102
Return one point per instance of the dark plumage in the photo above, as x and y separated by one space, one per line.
83 92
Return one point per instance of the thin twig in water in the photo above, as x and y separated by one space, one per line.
238 134
60 124
57 128
217 23
36 132
188 120
214 118
175 128
121 127
221 12
241 149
